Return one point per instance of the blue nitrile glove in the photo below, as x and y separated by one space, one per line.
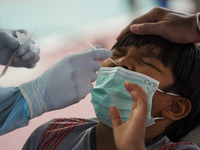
66 82
28 53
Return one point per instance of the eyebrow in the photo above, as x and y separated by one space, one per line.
153 56
147 54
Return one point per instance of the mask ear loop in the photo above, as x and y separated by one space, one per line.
159 118
172 94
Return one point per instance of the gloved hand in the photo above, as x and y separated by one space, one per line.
28 53
66 82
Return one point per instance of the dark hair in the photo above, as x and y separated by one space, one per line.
184 61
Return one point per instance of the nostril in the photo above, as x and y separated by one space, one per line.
125 67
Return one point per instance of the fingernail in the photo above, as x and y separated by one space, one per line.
135 28
127 83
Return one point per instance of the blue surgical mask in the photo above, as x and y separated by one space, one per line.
110 90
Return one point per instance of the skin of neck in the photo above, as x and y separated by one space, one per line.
104 138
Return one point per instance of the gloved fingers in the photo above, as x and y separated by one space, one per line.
26 32
92 76
29 59
88 86
23 65
25 47
34 47
98 54
96 47
32 54
9 40
95 65
85 50
31 66
91 48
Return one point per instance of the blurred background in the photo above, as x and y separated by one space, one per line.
63 27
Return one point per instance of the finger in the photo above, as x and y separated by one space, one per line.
24 48
125 31
31 66
28 60
85 88
152 16
148 17
115 116
92 76
138 115
140 101
88 87
129 86
32 54
95 65
26 32
148 29
91 48
100 54
18 62
10 41
134 87
34 47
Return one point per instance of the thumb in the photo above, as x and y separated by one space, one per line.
146 28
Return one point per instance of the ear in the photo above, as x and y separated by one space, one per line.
178 108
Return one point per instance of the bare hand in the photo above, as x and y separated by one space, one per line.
131 134
174 26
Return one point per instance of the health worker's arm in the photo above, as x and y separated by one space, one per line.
14 110
66 82
174 26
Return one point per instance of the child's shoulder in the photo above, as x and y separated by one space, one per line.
59 131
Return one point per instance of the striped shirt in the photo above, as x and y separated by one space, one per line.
79 134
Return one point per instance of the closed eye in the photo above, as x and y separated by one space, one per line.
146 63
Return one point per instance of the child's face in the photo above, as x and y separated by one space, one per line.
149 65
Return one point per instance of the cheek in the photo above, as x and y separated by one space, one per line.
157 104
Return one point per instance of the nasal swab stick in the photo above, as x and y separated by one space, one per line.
108 58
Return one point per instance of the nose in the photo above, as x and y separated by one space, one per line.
126 63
